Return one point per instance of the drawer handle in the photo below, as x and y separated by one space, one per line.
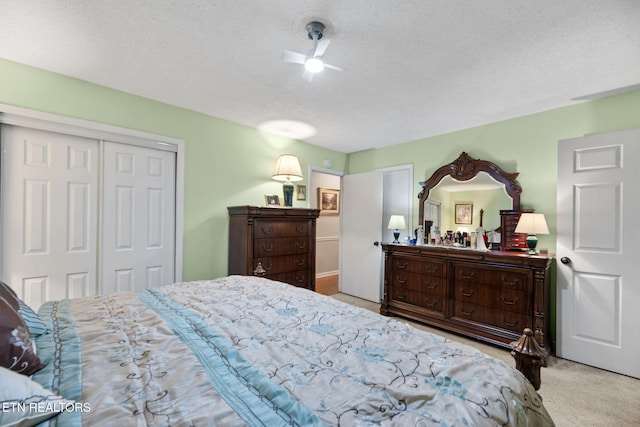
504 300
466 294
514 283
430 304
300 245
300 262
431 270
403 265
270 267
470 276
267 231
467 313
300 279
264 248
300 229
400 297
508 323
430 287
401 281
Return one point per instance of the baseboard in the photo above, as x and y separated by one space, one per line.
327 285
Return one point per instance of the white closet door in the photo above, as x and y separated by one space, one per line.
49 226
138 218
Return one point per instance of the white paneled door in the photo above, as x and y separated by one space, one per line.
361 234
138 218
82 216
49 208
598 245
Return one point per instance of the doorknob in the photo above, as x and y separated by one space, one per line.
376 243
565 260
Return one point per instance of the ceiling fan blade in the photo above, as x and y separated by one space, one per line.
321 47
293 57
307 75
333 67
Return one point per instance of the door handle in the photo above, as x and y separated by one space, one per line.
376 243
565 260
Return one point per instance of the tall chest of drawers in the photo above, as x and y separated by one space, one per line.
281 240
491 296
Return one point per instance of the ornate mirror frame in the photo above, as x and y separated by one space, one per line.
465 168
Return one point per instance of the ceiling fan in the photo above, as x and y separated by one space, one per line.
312 61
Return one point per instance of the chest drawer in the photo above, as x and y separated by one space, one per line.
281 264
301 278
281 246
264 229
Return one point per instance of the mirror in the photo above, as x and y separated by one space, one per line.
467 191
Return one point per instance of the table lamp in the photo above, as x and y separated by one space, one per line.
532 224
396 223
287 170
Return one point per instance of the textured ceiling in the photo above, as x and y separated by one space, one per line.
412 68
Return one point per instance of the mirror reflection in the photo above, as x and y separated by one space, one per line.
481 198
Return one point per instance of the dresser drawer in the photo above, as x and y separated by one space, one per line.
491 297
420 283
510 279
264 229
281 246
468 273
429 267
421 299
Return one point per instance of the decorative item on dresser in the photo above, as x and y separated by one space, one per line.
277 243
287 170
510 240
488 295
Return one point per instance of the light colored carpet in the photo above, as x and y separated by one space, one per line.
573 393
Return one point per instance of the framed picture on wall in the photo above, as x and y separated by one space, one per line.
464 213
328 201
301 192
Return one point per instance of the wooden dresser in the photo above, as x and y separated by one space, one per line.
282 240
491 296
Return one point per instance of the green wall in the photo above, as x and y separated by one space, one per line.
225 163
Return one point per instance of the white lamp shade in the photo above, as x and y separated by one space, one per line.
287 169
532 223
396 222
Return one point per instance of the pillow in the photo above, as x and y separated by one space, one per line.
25 402
16 346
35 325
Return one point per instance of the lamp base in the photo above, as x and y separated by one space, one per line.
287 189
396 236
532 242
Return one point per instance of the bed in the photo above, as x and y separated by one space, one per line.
250 351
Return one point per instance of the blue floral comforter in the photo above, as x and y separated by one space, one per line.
249 351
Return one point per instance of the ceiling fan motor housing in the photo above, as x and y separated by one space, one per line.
315 29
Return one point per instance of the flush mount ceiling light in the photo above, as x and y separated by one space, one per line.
313 62
288 128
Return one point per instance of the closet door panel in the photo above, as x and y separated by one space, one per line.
138 218
49 224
